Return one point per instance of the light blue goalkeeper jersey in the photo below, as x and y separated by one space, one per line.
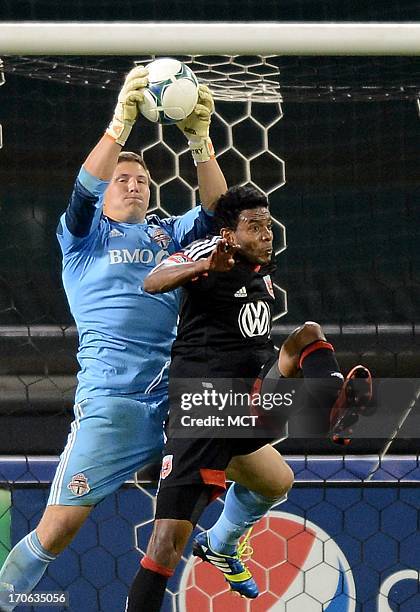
125 334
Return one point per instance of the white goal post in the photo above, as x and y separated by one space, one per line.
129 38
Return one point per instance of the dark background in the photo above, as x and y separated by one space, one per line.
218 10
350 204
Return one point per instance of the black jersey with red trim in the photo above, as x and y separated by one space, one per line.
225 318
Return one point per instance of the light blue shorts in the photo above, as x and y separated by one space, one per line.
110 439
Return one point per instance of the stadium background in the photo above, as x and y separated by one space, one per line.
350 206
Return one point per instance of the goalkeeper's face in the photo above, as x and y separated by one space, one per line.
128 194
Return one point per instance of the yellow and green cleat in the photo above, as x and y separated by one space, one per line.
234 570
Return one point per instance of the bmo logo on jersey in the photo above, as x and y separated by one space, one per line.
143 256
254 319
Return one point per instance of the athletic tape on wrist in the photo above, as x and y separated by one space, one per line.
119 131
201 150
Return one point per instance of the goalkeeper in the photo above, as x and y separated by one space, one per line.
109 245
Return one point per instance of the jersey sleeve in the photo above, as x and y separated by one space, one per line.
200 249
81 219
194 224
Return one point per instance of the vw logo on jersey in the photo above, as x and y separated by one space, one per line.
254 319
298 567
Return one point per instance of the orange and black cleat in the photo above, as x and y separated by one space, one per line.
352 402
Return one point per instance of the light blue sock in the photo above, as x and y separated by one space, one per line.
23 568
243 508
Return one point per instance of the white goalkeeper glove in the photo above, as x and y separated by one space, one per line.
126 111
196 126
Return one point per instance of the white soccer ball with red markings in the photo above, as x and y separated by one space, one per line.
172 92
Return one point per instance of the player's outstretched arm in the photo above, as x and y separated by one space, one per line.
84 209
196 128
178 270
102 160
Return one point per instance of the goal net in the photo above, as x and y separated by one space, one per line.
339 171
332 142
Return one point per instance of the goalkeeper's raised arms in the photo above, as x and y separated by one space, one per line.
196 126
126 110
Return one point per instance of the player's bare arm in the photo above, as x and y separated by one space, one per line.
211 183
171 274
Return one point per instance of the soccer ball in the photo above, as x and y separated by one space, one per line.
172 92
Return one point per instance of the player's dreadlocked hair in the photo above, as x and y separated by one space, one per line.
233 202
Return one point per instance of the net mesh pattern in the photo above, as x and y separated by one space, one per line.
349 205
340 170
259 78
339 540
340 176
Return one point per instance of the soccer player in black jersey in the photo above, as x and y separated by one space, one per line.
224 332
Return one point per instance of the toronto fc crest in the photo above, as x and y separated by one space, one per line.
79 485
161 237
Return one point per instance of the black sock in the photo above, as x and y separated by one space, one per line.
146 591
323 381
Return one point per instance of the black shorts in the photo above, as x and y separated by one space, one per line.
193 468
203 461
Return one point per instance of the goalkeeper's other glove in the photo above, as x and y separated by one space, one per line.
126 111
196 126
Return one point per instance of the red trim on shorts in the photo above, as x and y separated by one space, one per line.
314 346
213 477
216 478
149 564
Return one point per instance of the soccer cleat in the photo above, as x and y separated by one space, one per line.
352 401
234 570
